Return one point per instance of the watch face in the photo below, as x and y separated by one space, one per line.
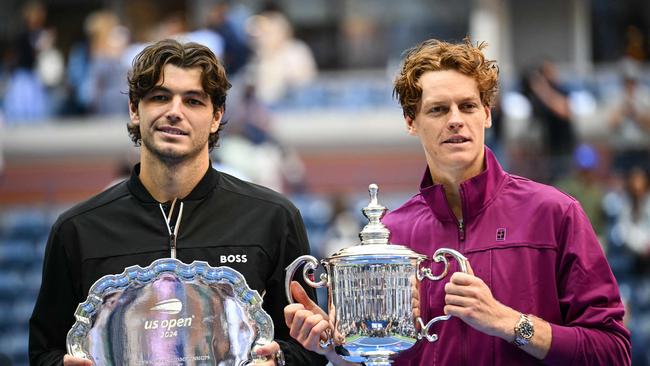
526 329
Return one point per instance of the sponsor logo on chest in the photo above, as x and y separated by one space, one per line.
233 258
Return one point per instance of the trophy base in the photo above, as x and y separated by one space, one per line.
374 351
378 362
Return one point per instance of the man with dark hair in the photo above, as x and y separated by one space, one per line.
177 94
539 289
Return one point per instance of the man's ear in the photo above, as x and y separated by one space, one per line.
488 119
133 114
410 125
216 120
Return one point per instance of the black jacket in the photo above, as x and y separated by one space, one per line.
225 221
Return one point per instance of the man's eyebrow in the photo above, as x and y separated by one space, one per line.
198 93
194 93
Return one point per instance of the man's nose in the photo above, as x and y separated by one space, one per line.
456 119
175 109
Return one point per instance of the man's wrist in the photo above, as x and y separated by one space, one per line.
506 329
524 331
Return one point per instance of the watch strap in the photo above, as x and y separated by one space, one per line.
524 331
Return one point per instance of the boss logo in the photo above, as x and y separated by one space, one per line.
233 258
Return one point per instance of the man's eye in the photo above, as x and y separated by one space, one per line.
158 98
438 110
195 102
469 106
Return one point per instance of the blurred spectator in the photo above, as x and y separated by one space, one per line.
104 85
236 50
629 256
495 136
635 45
551 106
629 120
633 225
251 149
2 159
281 64
175 26
252 119
585 186
343 229
24 82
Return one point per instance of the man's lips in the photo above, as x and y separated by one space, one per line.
172 131
456 140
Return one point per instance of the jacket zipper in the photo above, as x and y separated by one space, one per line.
461 231
461 247
172 245
463 326
173 234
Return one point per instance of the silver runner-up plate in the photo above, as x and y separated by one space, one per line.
170 313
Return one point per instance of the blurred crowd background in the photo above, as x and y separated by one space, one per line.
311 114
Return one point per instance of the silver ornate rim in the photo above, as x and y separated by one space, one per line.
77 344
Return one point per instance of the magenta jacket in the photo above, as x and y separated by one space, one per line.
536 250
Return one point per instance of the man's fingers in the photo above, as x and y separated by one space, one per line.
460 301
301 296
268 349
75 361
318 334
298 321
461 290
462 278
290 313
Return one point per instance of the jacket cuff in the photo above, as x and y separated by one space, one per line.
564 343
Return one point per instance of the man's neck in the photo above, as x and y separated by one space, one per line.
165 181
451 181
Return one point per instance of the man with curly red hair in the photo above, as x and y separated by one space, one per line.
539 288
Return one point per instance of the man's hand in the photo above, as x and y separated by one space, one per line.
267 351
415 301
75 361
307 322
470 299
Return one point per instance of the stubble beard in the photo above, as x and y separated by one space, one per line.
169 155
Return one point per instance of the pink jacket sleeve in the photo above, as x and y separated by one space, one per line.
593 332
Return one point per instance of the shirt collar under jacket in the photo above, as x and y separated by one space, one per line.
205 186
476 193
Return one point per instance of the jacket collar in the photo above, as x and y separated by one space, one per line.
202 189
476 193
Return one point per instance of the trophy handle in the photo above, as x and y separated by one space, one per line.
311 264
439 256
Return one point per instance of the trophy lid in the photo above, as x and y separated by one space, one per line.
374 237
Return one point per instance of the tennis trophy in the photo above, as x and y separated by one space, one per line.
370 291
171 313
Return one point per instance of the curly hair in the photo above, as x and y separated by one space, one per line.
148 67
435 55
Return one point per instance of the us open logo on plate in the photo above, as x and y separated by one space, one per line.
171 306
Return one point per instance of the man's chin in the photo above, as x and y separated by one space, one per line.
170 155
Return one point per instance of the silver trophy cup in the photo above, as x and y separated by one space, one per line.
371 287
171 313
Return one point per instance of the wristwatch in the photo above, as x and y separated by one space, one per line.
279 358
524 331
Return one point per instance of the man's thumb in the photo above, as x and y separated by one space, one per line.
300 296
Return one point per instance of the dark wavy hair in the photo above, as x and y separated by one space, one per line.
435 55
148 66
